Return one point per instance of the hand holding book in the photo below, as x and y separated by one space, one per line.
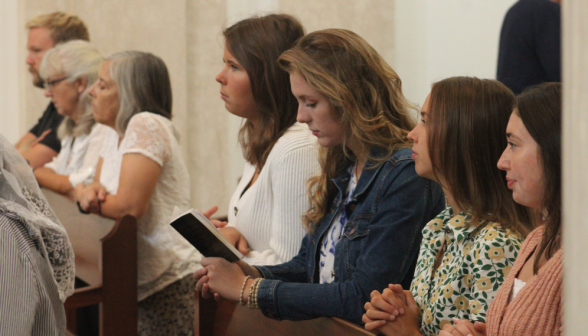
203 235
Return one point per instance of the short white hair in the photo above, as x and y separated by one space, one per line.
74 59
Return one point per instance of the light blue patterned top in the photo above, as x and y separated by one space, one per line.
327 258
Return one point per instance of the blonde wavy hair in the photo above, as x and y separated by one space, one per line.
365 95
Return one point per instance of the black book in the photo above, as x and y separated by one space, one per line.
204 236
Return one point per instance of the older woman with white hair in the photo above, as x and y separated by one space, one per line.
141 173
69 70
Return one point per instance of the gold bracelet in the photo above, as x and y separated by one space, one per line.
242 288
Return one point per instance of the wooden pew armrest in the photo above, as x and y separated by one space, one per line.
83 297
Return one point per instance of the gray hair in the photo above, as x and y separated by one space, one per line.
143 86
74 59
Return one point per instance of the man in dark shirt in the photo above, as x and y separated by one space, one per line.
530 44
41 144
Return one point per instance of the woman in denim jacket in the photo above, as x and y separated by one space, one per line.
368 205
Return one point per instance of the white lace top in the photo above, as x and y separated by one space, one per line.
78 156
164 255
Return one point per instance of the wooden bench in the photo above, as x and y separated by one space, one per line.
230 318
106 259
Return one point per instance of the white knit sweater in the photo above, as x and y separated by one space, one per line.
269 213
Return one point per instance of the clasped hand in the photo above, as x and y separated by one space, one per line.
392 312
395 312
90 196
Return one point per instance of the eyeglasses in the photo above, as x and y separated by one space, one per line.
50 84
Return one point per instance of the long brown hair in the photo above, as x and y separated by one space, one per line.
365 95
257 43
540 110
467 122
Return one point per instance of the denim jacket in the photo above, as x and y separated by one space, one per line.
379 245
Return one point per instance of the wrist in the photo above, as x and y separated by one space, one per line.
247 290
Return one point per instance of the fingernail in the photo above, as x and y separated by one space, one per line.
383 322
455 321
392 317
395 312
401 311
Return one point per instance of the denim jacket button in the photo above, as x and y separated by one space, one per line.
352 206
352 229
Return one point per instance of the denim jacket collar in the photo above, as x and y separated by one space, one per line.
366 179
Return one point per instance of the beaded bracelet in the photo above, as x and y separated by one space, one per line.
255 302
251 292
252 304
242 288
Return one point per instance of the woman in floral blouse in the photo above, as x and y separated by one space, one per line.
469 248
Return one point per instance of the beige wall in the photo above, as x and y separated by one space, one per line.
575 164
186 34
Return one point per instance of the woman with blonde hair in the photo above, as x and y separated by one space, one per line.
69 70
368 205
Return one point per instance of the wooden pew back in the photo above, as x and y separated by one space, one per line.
230 318
106 259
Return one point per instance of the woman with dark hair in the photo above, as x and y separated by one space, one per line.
368 206
469 248
141 173
265 209
530 300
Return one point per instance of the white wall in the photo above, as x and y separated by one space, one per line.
10 118
436 39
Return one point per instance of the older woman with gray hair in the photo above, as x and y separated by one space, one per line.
141 173
69 70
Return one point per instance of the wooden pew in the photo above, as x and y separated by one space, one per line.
106 259
230 318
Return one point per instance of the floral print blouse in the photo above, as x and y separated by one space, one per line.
476 262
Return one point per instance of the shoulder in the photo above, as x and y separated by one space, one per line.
153 126
495 242
14 235
297 140
147 119
297 136
436 224
494 232
401 156
399 168
101 131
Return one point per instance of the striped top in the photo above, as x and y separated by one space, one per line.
537 308
29 299
269 213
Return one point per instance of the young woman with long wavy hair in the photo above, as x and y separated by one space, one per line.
368 205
